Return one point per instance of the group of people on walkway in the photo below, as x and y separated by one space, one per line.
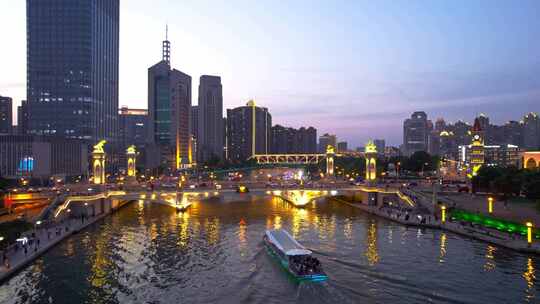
31 241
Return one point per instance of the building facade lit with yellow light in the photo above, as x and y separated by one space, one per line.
248 131
169 111
476 158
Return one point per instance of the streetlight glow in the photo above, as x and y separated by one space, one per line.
490 204
529 232
443 214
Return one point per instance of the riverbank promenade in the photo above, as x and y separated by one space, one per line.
37 241
516 210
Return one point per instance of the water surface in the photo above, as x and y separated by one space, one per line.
148 253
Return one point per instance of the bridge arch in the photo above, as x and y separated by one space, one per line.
531 159
530 163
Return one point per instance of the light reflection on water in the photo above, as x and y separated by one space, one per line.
442 247
372 253
213 253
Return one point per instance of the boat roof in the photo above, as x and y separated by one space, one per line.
286 243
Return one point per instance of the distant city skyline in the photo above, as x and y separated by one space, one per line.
354 69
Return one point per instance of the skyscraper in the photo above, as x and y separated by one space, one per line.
513 133
248 131
531 131
211 126
72 68
415 133
181 111
6 115
169 110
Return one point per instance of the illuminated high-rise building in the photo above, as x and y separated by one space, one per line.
72 68
249 131
416 133
531 131
169 111
513 133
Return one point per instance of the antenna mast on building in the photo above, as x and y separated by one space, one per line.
166 50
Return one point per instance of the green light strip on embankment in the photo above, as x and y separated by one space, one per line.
491 222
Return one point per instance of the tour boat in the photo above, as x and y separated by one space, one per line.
294 257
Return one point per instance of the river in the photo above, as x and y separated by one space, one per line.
213 253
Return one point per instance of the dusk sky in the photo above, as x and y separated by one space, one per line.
353 68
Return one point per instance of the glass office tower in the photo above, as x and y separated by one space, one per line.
72 68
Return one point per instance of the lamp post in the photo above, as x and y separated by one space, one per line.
490 204
443 214
529 233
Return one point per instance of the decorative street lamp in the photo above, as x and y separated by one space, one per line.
443 214
330 153
370 152
529 233
98 163
131 154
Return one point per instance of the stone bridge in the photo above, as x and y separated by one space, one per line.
92 204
